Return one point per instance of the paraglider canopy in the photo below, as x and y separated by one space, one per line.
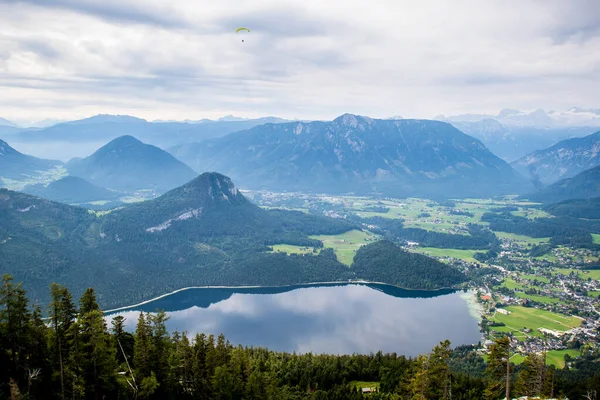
242 29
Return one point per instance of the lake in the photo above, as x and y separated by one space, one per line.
331 318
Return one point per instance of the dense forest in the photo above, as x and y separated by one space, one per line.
383 261
581 208
75 355
479 238
562 230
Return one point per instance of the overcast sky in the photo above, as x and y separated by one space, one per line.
310 59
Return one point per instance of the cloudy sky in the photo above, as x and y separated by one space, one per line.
160 59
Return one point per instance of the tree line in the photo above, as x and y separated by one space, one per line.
73 354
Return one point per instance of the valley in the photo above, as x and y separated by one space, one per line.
544 296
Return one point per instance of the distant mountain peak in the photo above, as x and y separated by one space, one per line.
128 164
6 122
352 120
216 185
101 118
509 112
231 118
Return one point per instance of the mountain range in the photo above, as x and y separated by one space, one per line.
202 233
575 116
126 164
355 154
18 166
514 142
563 160
105 127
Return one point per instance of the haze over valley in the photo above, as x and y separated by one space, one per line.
279 200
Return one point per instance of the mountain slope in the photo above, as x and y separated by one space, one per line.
357 154
128 164
203 233
514 142
72 190
563 160
17 166
582 186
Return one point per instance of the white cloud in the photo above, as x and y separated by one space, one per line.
314 59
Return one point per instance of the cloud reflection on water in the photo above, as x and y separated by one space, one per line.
338 319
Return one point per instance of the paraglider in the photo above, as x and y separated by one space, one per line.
238 30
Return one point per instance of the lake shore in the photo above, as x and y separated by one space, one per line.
361 282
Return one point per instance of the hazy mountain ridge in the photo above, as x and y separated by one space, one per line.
356 154
563 160
72 190
584 185
105 127
514 142
127 164
5 122
18 166
575 116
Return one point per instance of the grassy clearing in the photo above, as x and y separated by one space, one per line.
557 357
538 298
533 318
291 249
595 238
583 274
521 238
553 357
593 293
362 384
346 244
466 255
511 284
536 277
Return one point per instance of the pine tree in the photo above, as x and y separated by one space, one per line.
498 363
439 371
14 318
62 314
98 356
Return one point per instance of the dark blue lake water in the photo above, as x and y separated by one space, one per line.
352 318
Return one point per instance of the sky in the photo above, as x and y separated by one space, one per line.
310 59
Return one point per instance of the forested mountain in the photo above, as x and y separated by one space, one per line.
585 185
127 164
203 233
383 261
72 190
18 166
357 154
563 160
578 208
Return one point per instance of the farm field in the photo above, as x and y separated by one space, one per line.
521 238
533 318
345 245
466 255
553 357
291 249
